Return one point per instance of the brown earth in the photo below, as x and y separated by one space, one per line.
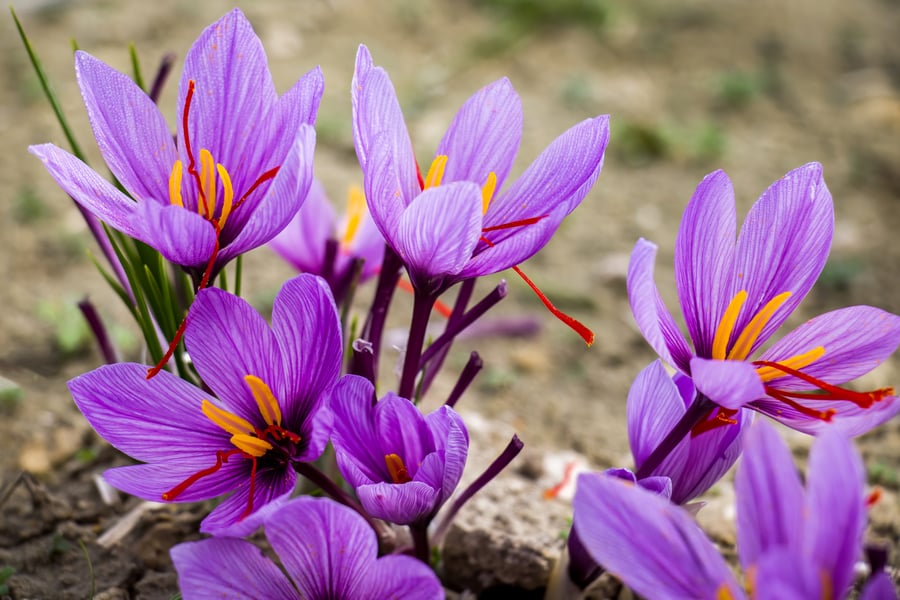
753 88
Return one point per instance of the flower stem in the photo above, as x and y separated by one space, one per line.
107 349
459 308
694 414
465 378
420 543
418 326
365 364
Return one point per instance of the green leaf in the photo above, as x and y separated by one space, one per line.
136 66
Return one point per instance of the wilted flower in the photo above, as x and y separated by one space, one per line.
735 295
792 543
240 169
327 550
450 225
270 409
403 465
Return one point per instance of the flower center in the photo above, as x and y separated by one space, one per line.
250 442
397 468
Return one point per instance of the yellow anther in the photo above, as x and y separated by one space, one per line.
726 325
396 468
749 335
436 171
265 400
356 210
207 184
723 593
227 194
487 191
795 362
230 422
175 184
250 444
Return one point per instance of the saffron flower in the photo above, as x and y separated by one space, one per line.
304 243
451 225
792 542
241 167
656 402
269 412
734 295
402 465
328 551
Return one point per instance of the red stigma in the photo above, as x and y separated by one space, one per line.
222 457
723 417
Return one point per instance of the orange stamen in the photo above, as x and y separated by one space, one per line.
396 468
873 498
221 458
722 418
569 471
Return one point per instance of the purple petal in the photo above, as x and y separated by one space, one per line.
316 431
704 258
150 482
856 340
182 236
653 408
306 325
405 577
228 340
130 130
437 233
484 135
298 106
230 518
155 420
560 177
650 312
783 245
653 546
228 568
729 383
355 438
87 188
835 512
770 496
879 587
848 418
710 456
234 92
302 242
782 575
384 188
451 436
326 548
400 503
402 430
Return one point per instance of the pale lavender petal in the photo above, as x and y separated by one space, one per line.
653 546
835 509
383 187
302 242
150 482
783 575
130 130
402 430
87 188
234 92
270 212
306 325
395 576
770 496
437 233
151 420
450 435
879 587
704 258
848 418
298 106
856 340
326 548
228 519
228 568
484 135
228 340
728 383
783 245
650 312
355 438
560 177
403 504
182 236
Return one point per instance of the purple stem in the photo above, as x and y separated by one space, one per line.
107 348
695 413
162 74
509 453
465 378
366 364
459 307
421 548
331 249
455 327
422 304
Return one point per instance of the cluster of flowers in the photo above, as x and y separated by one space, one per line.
253 405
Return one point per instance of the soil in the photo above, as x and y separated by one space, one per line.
754 88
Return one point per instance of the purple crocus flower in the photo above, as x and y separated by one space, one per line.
734 295
403 465
328 551
792 543
241 167
450 225
269 412
304 242
656 402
